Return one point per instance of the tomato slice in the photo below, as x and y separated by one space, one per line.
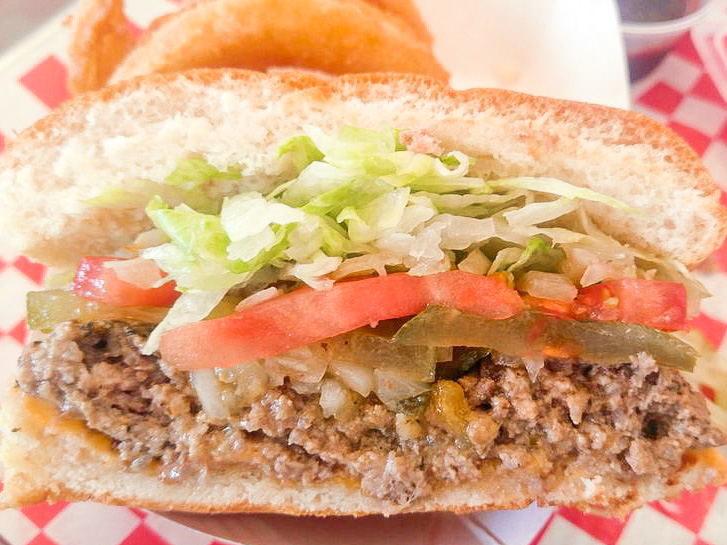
99 283
306 315
654 303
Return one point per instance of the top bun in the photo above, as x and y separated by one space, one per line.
140 128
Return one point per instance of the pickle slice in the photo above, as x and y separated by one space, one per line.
533 333
363 348
46 309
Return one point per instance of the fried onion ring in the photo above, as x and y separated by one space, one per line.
408 12
332 36
404 9
100 39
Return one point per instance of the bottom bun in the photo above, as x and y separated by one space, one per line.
47 457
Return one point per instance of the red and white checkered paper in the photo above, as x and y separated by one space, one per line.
679 93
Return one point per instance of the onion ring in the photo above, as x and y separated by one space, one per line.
332 36
100 39
328 36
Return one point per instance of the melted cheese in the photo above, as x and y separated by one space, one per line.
46 416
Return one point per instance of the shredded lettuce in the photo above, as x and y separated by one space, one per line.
203 254
504 259
184 185
478 205
250 214
540 212
193 172
359 202
560 188
191 231
191 306
196 257
353 146
354 194
314 273
557 235
369 221
538 255
137 193
459 233
301 150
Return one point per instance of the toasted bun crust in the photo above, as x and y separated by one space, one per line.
46 459
139 129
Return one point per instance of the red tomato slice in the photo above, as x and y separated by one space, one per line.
97 282
305 315
654 303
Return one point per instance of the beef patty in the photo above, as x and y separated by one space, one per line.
620 421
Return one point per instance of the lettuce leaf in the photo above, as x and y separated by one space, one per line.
301 150
184 185
560 188
191 231
540 212
538 255
193 172
358 196
191 306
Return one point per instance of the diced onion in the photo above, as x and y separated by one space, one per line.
336 400
252 382
302 369
548 286
407 427
229 375
139 272
595 273
577 260
259 297
476 262
533 365
276 374
314 274
366 264
463 165
305 388
590 262
205 384
393 385
359 378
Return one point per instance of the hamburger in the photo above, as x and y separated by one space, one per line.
371 294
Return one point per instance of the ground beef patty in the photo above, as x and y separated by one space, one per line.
621 421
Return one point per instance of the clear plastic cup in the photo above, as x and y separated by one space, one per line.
648 43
